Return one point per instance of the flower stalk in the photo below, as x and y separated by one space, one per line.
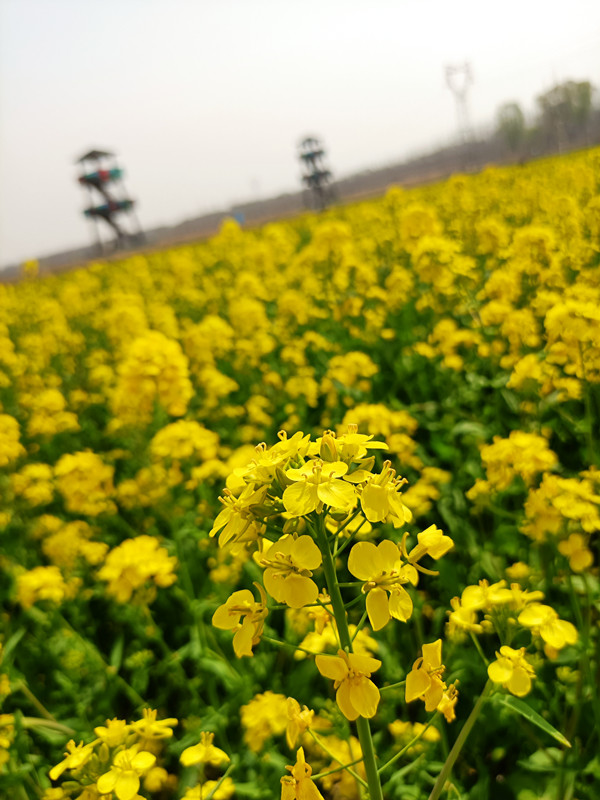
339 612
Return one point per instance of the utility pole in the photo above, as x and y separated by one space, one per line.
459 78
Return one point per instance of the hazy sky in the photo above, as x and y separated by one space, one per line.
204 101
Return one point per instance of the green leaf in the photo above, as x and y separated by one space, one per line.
547 760
116 655
12 642
528 713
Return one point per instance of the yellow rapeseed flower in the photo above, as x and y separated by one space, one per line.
289 564
356 694
240 605
204 752
298 785
123 778
300 719
512 670
316 484
424 679
545 622
76 756
381 567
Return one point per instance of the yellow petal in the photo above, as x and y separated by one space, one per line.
225 619
501 670
432 654
569 631
305 553
332 667
127 785
337 494
535 614
400 604
378 608
374 502
364 697
242 641
417 683
299 591
434 694
364 664
388 553
334 469
300 498
363 562
520 682
143 761
273 580
307 790
288 788
344 702
193 755
434 540
106 783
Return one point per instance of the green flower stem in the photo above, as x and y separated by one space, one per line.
336 769
407 747
22 687
331 755
478 648
340 548
363 619
36 722
392 686
278 643
362 724
342 528
460 742
230 769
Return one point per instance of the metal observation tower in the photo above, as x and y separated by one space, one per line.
318 191
103 179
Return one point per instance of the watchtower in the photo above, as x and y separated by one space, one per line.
319 191
101 176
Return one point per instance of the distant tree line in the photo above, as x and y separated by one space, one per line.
565 118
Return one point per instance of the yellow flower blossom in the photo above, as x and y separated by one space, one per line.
288 569
10 446
380 566
76 756
300 719
424 681
545 622
123 778
86 483
236 521
204 753
298 785
380 498
576 550
113 733
247 633
512 670
150 729
318 483
264 716
356 694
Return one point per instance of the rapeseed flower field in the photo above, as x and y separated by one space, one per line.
311 510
